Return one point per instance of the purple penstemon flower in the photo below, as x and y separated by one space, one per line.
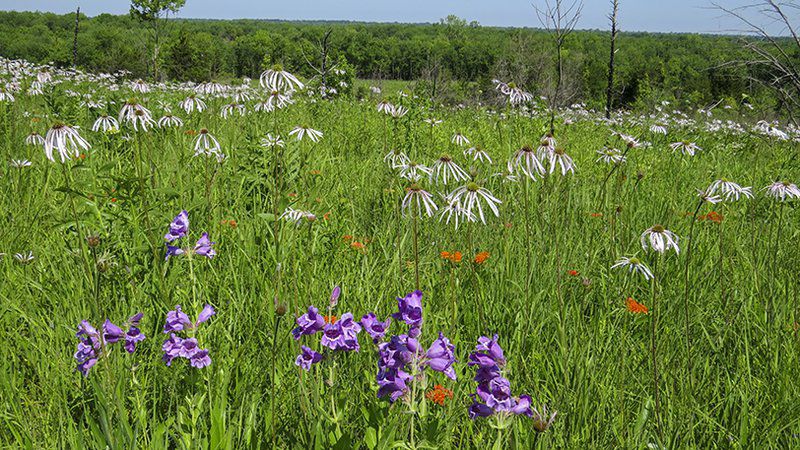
493 394
93 343
374 327
179 229
410 312
342 335
309 323
188 348
307 358
441 356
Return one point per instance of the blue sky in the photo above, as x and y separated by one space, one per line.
635 15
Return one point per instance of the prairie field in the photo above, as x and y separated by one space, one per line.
637 275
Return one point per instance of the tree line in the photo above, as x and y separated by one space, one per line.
650 67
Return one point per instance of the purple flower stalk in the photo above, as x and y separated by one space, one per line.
92 343
307 358
178 229
410 312
177 347
342 335
309 323
493 394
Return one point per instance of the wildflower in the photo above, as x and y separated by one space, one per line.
297 216
635 307
558 156
513 93
65 140
708 196
278 79
481 257
24 258
432 121
416 199
398 112
596 214
385 107
19 163
445 167
307 358
342 334
439 394
270 141
659 239
610 156
169 121
140 86
781 190
105 123
541 422
301 131
34 139
713 216
685 147
410 312
470 196
455 257
204 247
658 128
177 347
396 158
573 273
206 144
729 189
232 108
633 264
136 114
374 327
192 103
178 227
493 394
335 293
526 161
440 357
359 246
459 139
92 343
309 323
478 154
413 171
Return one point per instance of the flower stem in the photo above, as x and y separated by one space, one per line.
416 249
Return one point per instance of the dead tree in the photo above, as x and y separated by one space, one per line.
771 53
75 38
614 31
559 20
323 69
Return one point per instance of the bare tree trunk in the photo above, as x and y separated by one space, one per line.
614 31
75 38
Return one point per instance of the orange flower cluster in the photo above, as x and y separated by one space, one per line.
713 216
190 132
596 214
635 307
573 273
231 223
481 257
452 257
330 319
439 394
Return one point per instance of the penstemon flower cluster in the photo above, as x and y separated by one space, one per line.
178 229
188 348
337 335
92 344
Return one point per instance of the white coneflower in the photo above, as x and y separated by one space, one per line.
139 86
24 257
44 77
385 107
375 90
659 239
418 199
34 139
297 216
206 144
526 161
396 158
729 189
6 95
452 210
19 163
658 128
478 154
105 123
634 265
278 79
685 147
610 156
432 121
630 141
781 190
210 87
413 171
278 100
241 96
459 139
137 115
398 112
514 94
445 169
302 131
270 141
508 174
708 196
168 121
560 157
471 196
65 140
232 108
192 103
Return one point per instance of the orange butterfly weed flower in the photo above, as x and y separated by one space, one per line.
712 216
595 215
347 237
358 246
573 273
635 307
444 255
190 132
452 257
481 257
439 394
330 319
